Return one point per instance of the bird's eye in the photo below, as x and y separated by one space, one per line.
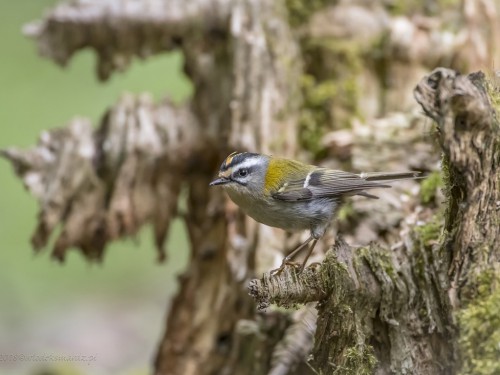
243 172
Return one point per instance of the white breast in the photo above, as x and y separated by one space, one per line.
292 216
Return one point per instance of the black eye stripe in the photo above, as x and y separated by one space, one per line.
246 171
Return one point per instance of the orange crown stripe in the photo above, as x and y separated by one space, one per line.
230 158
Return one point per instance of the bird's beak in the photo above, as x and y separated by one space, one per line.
219 181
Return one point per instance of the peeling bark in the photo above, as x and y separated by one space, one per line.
105 184
118 30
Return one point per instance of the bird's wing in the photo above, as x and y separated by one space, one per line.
327 183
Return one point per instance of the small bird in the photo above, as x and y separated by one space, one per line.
293 196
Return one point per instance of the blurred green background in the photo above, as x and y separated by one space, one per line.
114 311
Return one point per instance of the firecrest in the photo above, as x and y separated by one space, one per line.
287 194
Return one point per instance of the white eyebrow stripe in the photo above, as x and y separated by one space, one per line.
308 178
246 164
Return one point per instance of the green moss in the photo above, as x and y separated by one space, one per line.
299 11
345 213
427 237
360 360
426 260
429 186
485 281
479 324
401 7
320 51
429 233
314 113
430 8
329 90
493 90
452 193
331 271
380 261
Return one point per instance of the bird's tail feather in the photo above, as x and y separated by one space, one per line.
391 176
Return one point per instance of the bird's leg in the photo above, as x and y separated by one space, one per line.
289 257
311 248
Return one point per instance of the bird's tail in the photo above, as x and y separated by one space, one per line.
387 176
391 176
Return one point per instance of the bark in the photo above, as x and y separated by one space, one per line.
402 305
468 132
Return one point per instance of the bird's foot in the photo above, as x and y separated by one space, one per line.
284 264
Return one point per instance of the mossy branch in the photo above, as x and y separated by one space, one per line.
362 291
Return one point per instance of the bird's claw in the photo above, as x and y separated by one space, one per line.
284 264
